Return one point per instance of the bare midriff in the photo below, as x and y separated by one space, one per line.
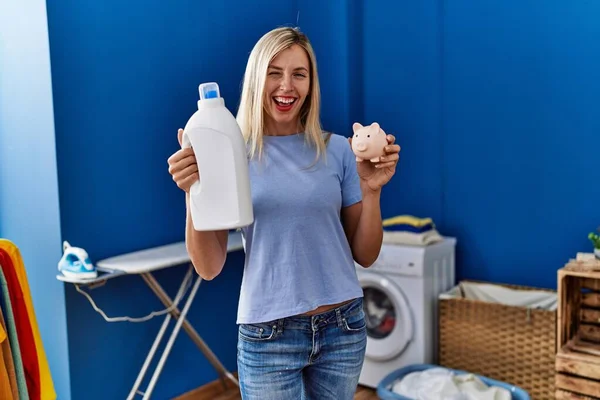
325 308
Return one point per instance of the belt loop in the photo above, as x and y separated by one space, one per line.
338 316
280 325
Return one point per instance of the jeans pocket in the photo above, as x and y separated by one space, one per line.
257 332
354 322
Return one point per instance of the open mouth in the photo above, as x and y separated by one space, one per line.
284 103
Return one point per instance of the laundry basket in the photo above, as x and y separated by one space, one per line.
511 333
384 389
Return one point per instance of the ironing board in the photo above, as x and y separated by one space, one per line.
143 263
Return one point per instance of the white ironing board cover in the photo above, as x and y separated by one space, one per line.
158 257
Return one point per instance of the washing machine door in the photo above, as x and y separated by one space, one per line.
389 319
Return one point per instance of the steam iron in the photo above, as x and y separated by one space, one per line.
75 263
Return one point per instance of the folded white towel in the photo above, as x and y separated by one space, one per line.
412 238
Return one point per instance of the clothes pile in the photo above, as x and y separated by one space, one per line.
410 230
443 384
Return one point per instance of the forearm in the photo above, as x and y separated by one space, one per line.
206 251
367 240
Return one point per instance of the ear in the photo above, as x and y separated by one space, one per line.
375 126
356 126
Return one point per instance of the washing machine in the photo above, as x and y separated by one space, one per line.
401 309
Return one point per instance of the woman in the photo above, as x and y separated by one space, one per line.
301 324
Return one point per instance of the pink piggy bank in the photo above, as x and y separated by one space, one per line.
368 142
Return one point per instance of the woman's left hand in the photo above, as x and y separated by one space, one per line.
375 175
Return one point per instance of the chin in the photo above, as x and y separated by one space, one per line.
284 119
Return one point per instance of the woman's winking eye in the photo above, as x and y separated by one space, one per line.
278 72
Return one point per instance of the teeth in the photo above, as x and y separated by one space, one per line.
285 100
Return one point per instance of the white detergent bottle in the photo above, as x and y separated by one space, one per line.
220 199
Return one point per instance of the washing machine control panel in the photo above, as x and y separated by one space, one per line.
399 259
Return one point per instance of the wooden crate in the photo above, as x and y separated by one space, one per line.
578 331
578 302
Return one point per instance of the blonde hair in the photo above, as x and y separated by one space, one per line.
250 115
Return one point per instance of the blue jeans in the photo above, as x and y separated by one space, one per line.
303 357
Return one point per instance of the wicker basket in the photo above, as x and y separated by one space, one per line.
508 343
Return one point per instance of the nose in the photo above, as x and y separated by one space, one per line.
286 83
362 146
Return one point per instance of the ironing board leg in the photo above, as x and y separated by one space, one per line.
172 338
157 340
189 329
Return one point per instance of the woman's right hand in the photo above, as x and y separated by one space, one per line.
183 167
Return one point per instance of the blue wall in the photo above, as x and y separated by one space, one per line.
494 105
29 209
521 89
401 90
